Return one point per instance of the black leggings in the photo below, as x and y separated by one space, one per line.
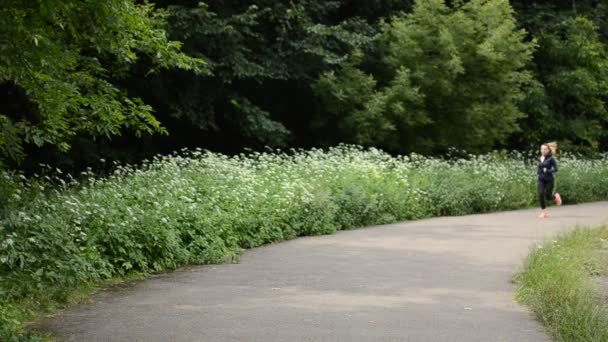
545 192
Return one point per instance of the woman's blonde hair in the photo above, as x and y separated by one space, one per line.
552 147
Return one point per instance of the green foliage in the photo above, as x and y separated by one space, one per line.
570 64
59 58
201 207
346 94
557 282
256 124
575 75
255 49
381 73
462 68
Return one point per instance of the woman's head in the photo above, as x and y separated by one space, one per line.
548 149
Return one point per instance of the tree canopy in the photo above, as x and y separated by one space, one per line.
406 76
456 78
57 62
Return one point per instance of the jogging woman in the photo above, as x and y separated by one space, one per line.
546 168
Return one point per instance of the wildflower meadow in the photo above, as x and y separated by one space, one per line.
59 234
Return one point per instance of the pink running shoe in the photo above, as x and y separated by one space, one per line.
558 199
543 214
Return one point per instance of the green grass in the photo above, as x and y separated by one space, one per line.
559 281
198 208
36 307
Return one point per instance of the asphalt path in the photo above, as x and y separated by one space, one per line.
440 279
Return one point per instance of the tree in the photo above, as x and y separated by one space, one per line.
259 51
57 63
456 78
573 66
570 63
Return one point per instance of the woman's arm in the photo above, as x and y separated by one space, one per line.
552 166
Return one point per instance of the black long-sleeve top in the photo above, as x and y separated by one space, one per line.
546 169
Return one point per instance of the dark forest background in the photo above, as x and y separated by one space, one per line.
82 81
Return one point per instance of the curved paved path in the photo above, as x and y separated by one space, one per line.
442 279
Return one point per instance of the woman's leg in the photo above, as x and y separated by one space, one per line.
541 194
549 191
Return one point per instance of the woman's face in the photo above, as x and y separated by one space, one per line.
544 150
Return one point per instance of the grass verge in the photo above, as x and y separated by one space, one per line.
559 282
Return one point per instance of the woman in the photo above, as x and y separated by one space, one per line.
546 168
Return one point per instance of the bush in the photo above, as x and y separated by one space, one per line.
200 207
